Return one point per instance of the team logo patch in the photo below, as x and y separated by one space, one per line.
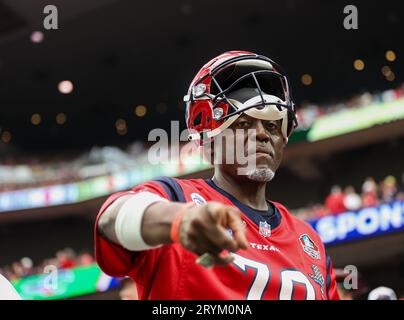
318 278
265 229
309 246
197 198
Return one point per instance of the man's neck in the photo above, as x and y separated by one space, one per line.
249 192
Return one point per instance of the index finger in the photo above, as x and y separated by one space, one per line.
235 223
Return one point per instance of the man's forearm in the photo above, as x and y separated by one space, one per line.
156 222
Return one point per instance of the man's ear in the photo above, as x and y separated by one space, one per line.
212 149
208 151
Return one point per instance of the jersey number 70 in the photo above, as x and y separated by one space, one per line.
259 285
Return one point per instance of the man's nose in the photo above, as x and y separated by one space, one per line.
261 134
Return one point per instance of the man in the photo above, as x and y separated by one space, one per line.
220 238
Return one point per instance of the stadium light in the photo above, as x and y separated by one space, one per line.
390 55
359 65
386 70
391 76
6 137
121 127
61 118
307 79
65 87
36 119
37 36
140 110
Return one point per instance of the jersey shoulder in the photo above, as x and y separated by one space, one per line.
198 190
194 183
173 189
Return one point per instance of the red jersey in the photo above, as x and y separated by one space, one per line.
286 258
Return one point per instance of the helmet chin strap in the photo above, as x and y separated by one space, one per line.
267 112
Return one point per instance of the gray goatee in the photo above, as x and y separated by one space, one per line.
261 175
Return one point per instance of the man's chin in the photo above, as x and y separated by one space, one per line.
261 175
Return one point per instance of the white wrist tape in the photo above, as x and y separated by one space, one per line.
128 224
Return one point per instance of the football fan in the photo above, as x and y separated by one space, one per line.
220 238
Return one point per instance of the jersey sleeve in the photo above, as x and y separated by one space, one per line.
331 281
114 259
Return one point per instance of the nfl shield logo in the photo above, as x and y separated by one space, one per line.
265 229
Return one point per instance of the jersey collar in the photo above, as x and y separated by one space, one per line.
274 220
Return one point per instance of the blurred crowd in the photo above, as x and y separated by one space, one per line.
30 171
307 113
63 259
340 199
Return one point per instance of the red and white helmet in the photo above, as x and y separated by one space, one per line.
233 83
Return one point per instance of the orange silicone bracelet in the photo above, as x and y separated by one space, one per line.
175 225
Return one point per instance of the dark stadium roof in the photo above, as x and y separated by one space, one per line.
123 53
